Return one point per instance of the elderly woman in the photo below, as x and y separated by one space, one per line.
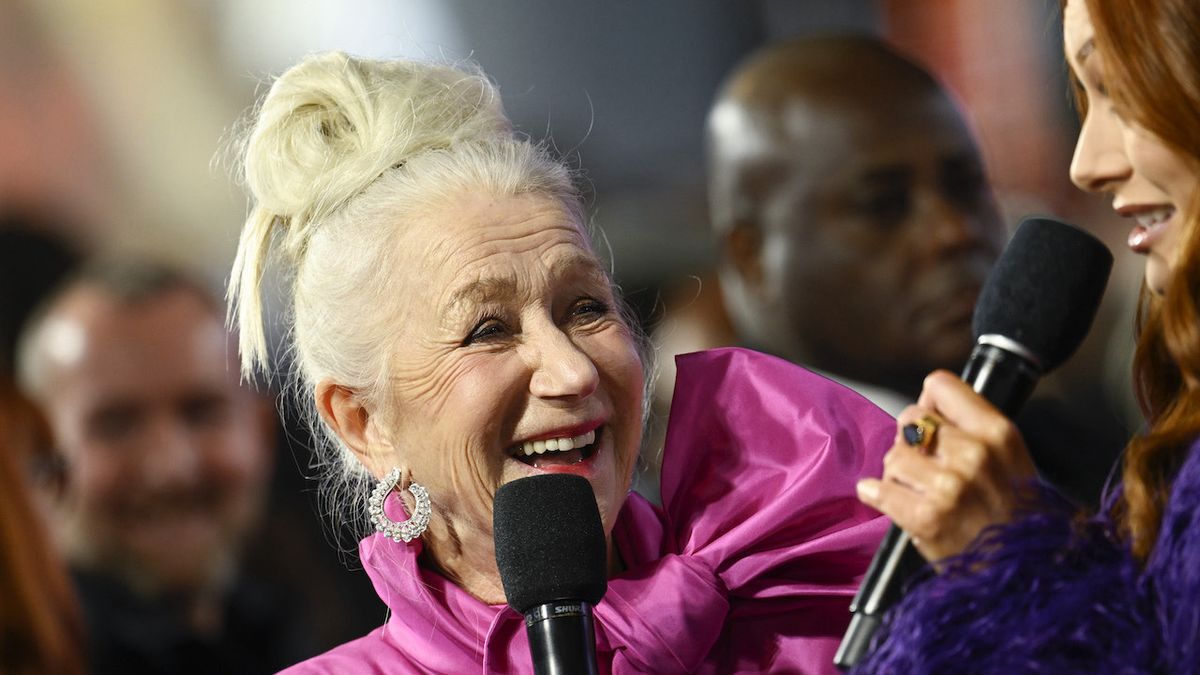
1045 589
456 331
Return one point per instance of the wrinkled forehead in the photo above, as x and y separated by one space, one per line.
517 279
479 228
492 243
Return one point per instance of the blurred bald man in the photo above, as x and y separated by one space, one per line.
854 220
167 457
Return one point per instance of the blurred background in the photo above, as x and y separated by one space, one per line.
113 116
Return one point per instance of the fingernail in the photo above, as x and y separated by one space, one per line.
867 489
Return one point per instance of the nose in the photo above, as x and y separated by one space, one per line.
1100 162
169 456
561 370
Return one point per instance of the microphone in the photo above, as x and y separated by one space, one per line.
553 562
1034 310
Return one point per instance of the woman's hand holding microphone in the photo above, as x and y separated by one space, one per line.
955 467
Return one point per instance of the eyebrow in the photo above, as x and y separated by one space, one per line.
481 290
1085 50
498 289
577 266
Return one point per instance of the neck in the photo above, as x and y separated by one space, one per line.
615 564
470 563
478 575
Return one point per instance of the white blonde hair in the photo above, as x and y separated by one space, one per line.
341 155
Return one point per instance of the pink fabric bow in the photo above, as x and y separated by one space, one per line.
749 567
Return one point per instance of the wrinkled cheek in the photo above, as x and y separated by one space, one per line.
470 490
459 478
634 387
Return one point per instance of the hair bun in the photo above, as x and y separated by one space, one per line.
332 124
328 128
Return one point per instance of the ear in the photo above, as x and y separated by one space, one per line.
743 248
346 413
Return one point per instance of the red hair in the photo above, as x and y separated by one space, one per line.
40 626
1151 52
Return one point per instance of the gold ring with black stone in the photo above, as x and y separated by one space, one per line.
919 434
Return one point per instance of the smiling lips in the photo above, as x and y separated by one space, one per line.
557 451
1149 223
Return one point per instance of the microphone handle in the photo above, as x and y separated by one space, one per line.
1003 377
895 560
562 638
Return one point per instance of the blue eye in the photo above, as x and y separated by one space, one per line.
488 328
587 308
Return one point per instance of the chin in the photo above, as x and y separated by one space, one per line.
1158 275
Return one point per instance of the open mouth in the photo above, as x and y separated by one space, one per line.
1146 226
558 451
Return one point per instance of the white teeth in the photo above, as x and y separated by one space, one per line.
557 444
1150 219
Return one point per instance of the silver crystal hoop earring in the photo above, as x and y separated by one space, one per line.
403 531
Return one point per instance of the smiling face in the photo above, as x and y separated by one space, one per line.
167 454
508 342
1148 181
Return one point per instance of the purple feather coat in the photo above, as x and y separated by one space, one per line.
1056 593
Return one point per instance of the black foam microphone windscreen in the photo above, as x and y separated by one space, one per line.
1044 290
553 563
549 541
